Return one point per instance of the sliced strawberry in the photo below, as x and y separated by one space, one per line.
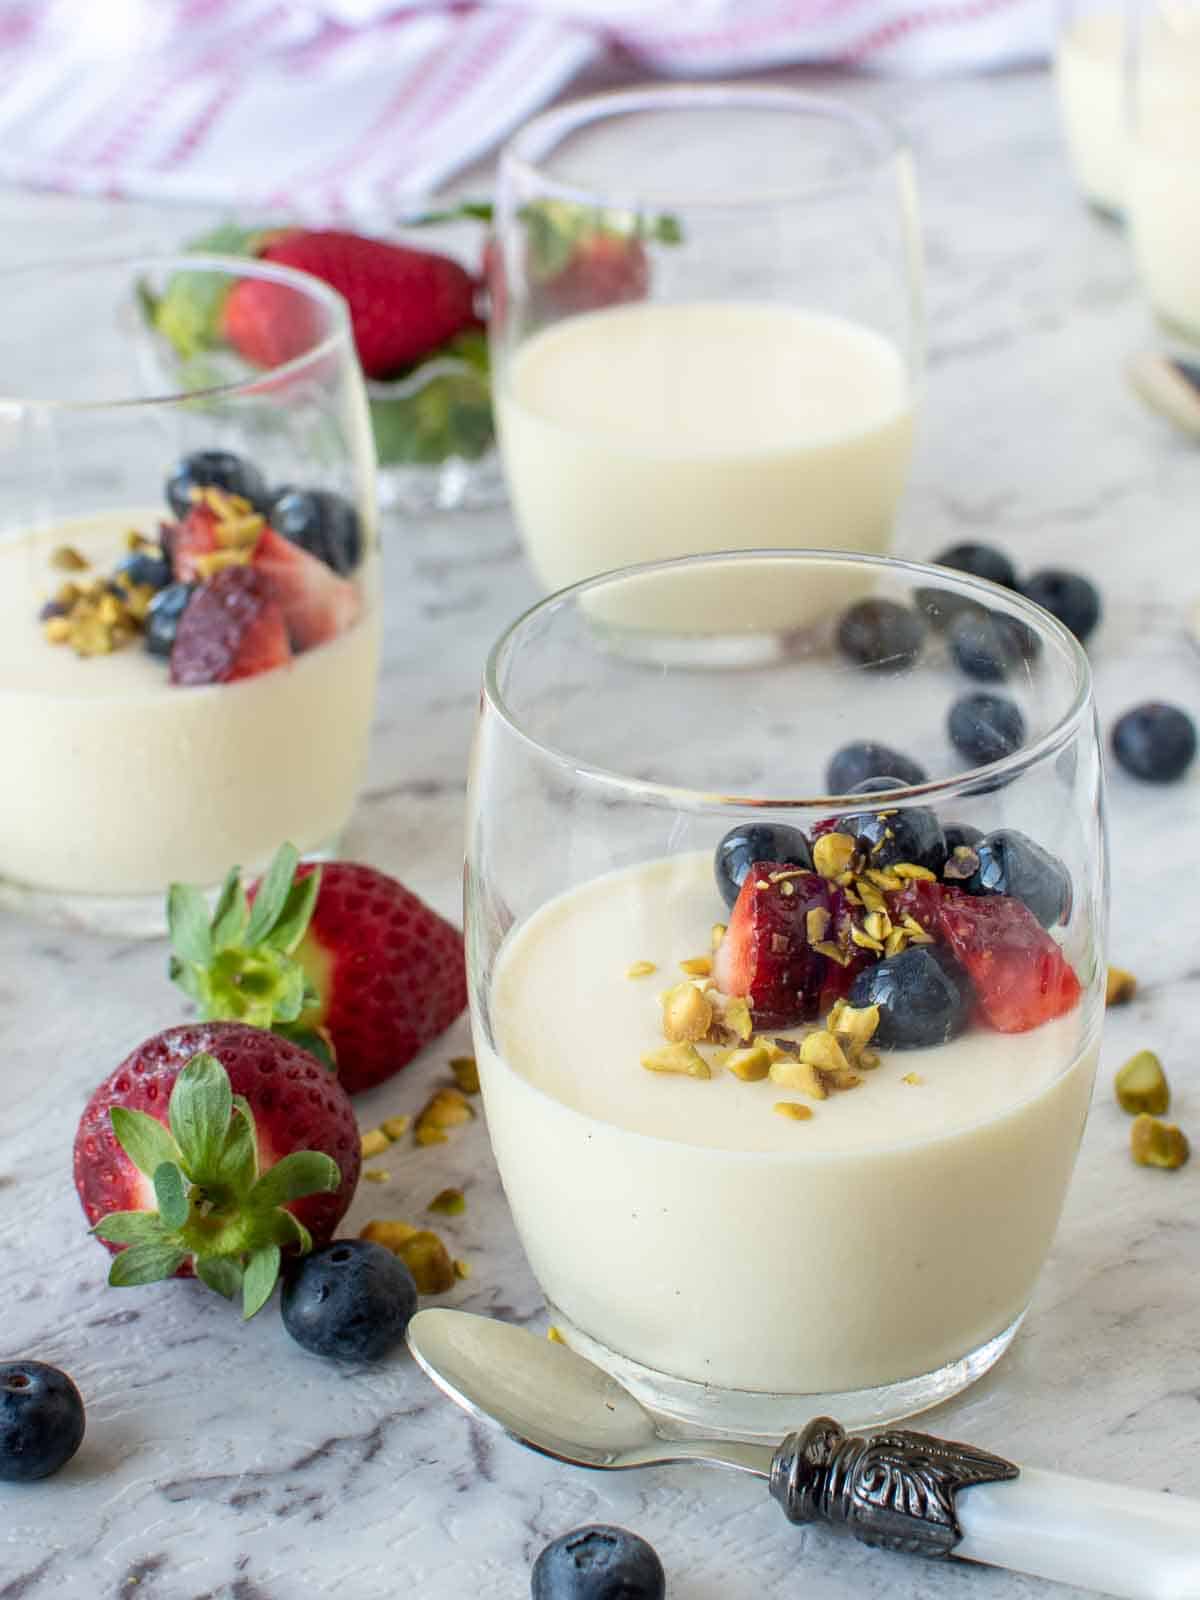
233 628
270 323
765 954
1021 977
920 900
604 269
836 980
194 537
317 604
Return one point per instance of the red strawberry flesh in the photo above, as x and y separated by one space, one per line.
233 628
317 604
194 537
765 954
1020 975
270 323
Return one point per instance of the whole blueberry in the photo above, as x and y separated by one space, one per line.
146 566
599 1562
757 841
323 523
985 727
889 835
1012 863
983 646
1155 742
215 469
854 763
961 834
351 1300
981 561
162 617
881 634
923 999
1066 595
942 607
41 1420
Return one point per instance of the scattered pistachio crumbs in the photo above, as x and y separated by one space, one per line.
422 1252
396 1127
794 1110
466 1074
1141 1085
67 559
913 1078
640 969
1157 1144
376 1175
697 966
1120 987
449 1202
446 1108
374 1143
554 1335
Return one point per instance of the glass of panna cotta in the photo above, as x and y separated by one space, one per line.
786 976
1089 72
188 564
706 326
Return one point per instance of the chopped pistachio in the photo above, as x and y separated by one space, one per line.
374 1143
448 1202
554 1335
886 878
865 942
868 1060
816 924
376 1175
422 1252
822 1050
686 1014
57 630
793 1109
445 1109
462 1269
912 1077
963 863
396 1127
735 1014
833 952
800 1075
682 1058
1157 1144
697 966
910 870
640 969
751 1064
878 925
870 896
67 559
916 932
776 1049
465 1073
1141 1085
858 1024
895 942
833 853
1120 987
392 1235
718 933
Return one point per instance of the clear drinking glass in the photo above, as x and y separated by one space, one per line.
1089 72
706 327
1164 172
127 766
872 1247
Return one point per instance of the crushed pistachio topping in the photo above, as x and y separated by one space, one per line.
683 1059
697 966
1157 1144
554 1335
446 1108
793 1110
98 617
465 1073
374 1143
1141 1085
462 1269
448 1203
376 1175
640 969
719 930
422 1252
396 1127
751 1063
913 1078
687 1014
67 559
833 853
1119 987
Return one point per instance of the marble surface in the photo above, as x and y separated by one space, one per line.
221 1462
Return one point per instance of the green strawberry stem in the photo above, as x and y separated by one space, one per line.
215 1209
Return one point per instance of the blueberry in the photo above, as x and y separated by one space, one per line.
941 607
1155 742
598 1563
913 834
881 634
162 618
923 998
865 759
352 1300
757 841
215 469
981 561
146 566
41 1420
982 647
984 727
1011 863
1067 596
960 834
324 524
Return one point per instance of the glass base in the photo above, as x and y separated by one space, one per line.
697 1410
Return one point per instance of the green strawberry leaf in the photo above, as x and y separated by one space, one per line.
290 926
303 1172
221 1274
200 1108
189 311
466 210
143 1138
259 1279
232 912
131 1227
290 1231
145 1263
309 1039
237 1166
272 893
187 923
171 1192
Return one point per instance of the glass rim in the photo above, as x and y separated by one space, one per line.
546 129
339 334
682 797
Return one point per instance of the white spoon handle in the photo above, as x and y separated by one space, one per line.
1132 1543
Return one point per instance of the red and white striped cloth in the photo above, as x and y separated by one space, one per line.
345 108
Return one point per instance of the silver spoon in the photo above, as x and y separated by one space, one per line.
897 1490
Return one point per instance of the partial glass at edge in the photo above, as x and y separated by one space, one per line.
117 781
707 329
1090 77
742 1271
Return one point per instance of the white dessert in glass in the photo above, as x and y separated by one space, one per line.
1089 71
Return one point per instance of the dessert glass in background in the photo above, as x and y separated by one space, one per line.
735 357
1089 71
118 778
739 1269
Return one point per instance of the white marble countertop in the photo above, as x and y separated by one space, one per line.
221 1462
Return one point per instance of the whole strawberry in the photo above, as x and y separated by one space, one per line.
211 1150
339 954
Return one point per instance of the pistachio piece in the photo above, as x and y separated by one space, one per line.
67 559
392 1235
376 1175
56 630
680 1058
751 1064
870 896
854 1023
1141 1085
1120 987
735 1014
792 1109
913 1078
911 871
886 878
1157 1144
687 1014
865 942
833 853
822 1050
462 1269
448 1203
422 1252
374 1143
554 1335
799 1075
445 1109
396 1127
697 966
878 925
466 1074
640 969
963 863
816 924
718 933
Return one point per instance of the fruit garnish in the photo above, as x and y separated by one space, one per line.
1020 976
317 605
1069 596
766 955
162 617
1154 742
881 635
349 1301
42 1421
321 522
921 998
342 950
594 1562
1011 863
233 628
211 1150
890 834
757 841
215 469
985 727
853 764
980 561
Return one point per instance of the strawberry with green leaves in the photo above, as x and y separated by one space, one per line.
213 1150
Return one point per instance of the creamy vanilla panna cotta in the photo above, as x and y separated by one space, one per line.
1089 70
718 1193
145 744
654 430
1164 176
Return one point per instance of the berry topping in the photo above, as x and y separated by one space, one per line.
981 561
989 646
1155 742
757 841
890 835
1011 863
41 1420
232 628
598 1563
211 1149
317 604
350 1301
162 617
1066 595
214 469
922 1000
323 523
881 635
853 764
1020 976
985 727
150 567
765 954
342 949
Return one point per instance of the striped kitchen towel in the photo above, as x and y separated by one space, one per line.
328 109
